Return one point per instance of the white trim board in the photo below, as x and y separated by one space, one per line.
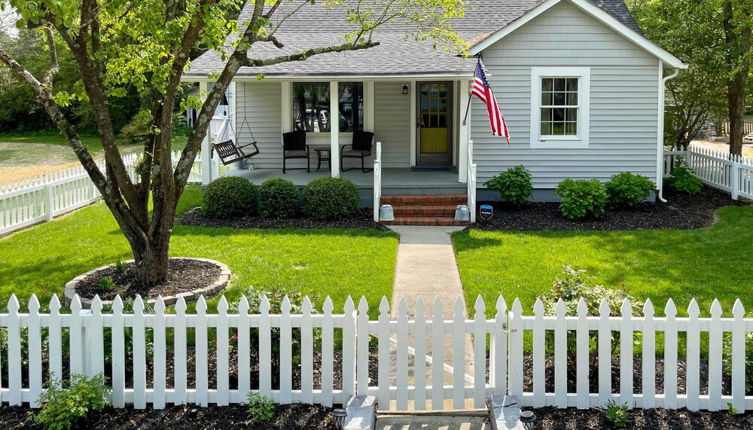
581 141
597 13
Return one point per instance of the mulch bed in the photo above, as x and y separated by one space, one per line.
682 211
362 219
644 419
184 275
187 417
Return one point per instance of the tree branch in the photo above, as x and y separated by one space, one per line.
301 56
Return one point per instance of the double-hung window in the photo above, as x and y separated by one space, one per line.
560 107
311 103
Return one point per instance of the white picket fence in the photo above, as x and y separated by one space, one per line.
731 173
40 199
421 359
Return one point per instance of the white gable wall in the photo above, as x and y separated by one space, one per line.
623 108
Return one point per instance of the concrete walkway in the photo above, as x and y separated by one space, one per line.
432 423
426 267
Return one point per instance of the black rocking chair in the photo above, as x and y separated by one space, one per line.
360 148
294 147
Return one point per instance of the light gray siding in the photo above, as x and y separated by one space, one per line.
259 104
392 123
624 100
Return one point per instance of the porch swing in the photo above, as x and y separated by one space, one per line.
228 151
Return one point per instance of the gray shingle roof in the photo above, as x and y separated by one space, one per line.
316 26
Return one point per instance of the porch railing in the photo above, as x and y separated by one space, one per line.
377 180
471 183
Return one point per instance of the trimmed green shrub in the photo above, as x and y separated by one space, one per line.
260 408
582 198
513 185
278 198
230 197
627 190
684 180
64 405
330 198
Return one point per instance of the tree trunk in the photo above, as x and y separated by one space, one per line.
152 262
736 107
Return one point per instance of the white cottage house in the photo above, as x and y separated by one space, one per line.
581 87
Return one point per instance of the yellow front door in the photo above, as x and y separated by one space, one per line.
435 99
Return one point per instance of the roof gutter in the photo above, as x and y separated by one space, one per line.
660 127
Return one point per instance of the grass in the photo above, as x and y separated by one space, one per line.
325 262
52 137
704 264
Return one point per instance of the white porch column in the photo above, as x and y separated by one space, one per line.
206 161
334 128
413 124
464 129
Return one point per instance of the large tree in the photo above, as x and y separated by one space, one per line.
147 44
713 37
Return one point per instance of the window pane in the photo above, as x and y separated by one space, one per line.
547 99
572 115
351 106
558 129
547 84
546 128
311 106
558 114
572 84
571 128
559 84
572 99
559 99
546 114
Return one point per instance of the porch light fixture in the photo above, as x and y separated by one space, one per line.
339 417
405 89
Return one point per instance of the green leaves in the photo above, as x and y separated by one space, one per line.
582 198
627 190
514 185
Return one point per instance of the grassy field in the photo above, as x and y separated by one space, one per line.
708 263
330 262
28 155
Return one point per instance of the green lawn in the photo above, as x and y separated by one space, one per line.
52 137
714 262
316 262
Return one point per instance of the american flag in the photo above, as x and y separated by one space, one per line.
483 91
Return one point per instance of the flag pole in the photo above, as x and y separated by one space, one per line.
468 106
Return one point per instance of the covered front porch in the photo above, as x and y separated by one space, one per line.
417 120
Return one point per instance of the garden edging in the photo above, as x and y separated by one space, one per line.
218 285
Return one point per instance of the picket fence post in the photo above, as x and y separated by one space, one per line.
48 209
735 177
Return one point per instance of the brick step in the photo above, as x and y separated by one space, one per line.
425 220
426 199
401 209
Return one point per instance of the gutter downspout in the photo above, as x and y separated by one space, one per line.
660 124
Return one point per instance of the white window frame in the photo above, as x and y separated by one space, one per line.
581 140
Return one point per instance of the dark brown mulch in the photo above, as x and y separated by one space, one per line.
186 417
183 276
362 219
644 419
682 211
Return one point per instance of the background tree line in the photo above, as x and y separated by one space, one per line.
714 38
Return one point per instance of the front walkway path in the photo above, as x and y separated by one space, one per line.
426 267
